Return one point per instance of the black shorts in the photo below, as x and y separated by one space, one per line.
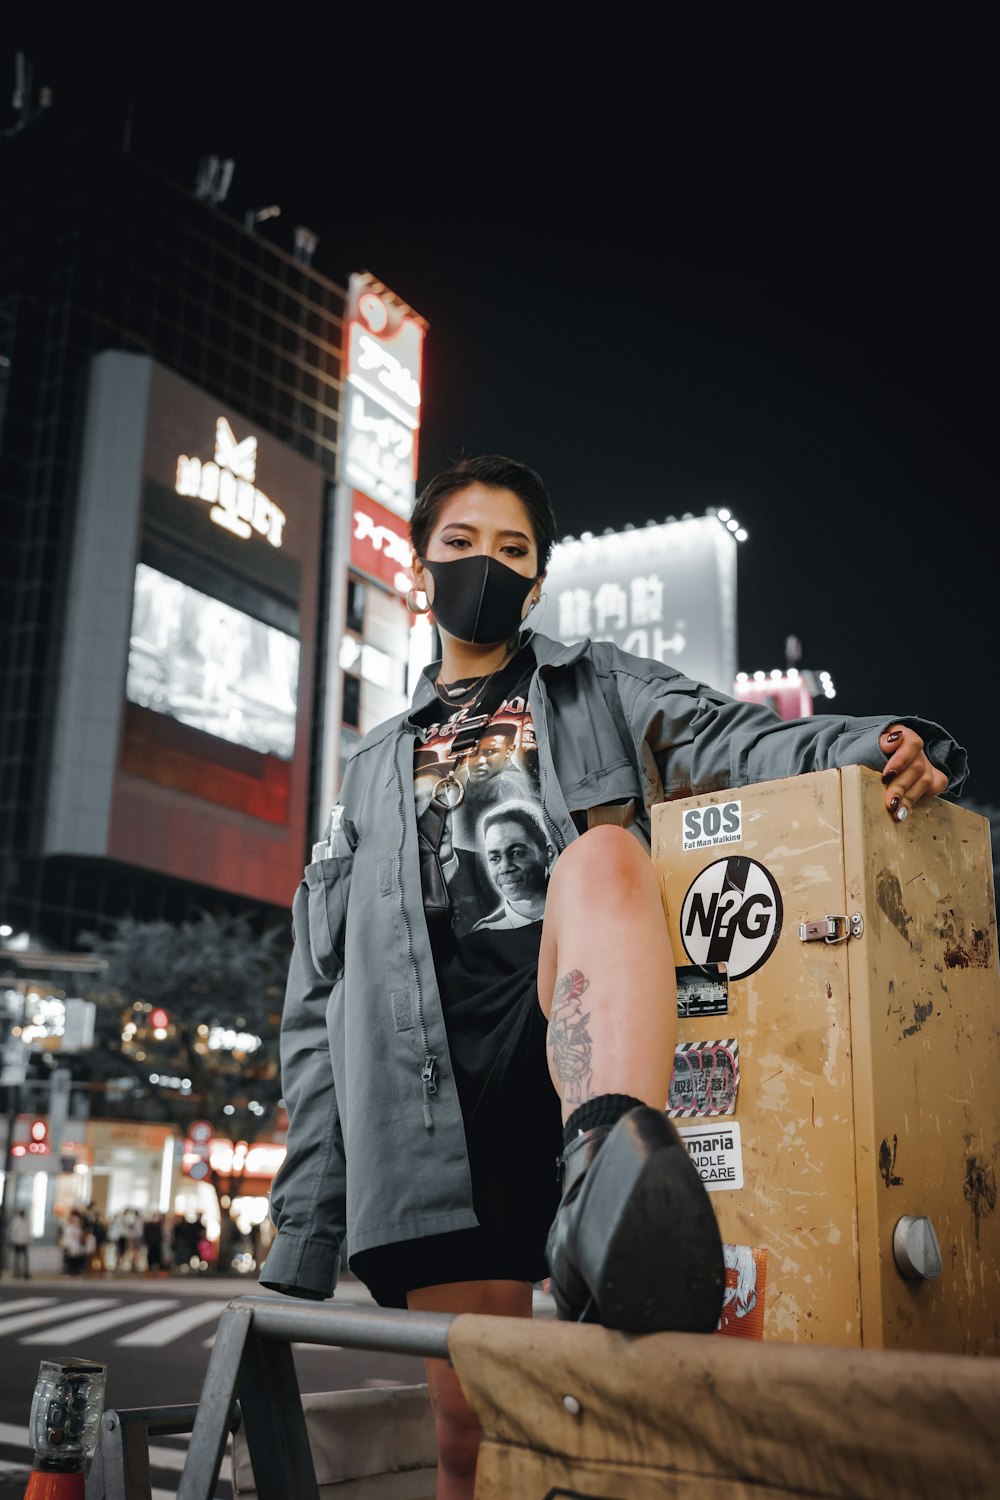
513 1129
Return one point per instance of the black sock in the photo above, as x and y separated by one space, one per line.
606 1109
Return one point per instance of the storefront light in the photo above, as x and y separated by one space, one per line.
39 1198
166 1175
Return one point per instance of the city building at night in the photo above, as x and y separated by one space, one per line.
207 458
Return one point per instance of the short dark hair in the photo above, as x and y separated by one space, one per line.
523 813
497 473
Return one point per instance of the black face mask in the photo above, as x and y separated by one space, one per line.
478 599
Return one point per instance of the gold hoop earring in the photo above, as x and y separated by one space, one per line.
411 601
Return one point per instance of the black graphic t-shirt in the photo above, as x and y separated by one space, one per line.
486 856
484 895
476 786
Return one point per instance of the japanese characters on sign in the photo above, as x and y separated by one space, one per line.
382 400
663 592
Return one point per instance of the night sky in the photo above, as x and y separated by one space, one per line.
746 271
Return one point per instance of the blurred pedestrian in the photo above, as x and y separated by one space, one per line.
98 1228
136 1240
186 1236
20 1239
118 1236
152 1234
77 1243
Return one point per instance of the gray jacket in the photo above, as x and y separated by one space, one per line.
376 1143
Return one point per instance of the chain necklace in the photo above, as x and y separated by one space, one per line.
463 696
467 696
449 791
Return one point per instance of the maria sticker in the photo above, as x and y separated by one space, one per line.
717 1152
732 915
703 827
702 991
705 1079
746 1286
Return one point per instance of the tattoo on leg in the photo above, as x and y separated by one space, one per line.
569 1039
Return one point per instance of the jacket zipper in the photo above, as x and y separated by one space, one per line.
428 1068
540 721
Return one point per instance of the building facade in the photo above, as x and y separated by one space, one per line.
202 581
164 369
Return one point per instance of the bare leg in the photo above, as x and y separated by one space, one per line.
458 1431
606 973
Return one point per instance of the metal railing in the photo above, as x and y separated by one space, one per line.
120 1470
251 1379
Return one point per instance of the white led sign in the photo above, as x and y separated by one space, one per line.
227 484
378 452
375 369
663 592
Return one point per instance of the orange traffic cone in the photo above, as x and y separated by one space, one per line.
52 1484
65 1417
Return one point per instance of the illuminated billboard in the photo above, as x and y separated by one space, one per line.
371 634
381 420
667 592
184 714
211 666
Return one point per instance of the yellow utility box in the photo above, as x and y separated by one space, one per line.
837 1078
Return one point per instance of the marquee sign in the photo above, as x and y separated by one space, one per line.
227 483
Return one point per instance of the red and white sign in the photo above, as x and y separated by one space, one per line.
380 543
385 343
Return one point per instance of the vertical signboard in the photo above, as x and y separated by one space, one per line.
667 592
385 340
369 648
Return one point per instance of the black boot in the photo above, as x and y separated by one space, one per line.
635 1244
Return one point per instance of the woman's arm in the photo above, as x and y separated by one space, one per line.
693 738
308 1195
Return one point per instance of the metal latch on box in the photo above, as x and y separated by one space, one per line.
832 929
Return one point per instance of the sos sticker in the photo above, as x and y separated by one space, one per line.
703 827
732 915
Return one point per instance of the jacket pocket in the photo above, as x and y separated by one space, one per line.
328 882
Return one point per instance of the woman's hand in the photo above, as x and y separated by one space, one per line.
909 775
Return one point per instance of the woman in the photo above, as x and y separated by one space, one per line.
421 1053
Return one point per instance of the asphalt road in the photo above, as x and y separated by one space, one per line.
155 1334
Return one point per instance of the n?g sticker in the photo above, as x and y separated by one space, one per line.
732 915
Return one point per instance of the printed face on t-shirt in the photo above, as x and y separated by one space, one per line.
517 865
489 757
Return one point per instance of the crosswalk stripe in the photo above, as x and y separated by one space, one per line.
154 1335
23 1303
45 1314
175 1458
160 1457
81 1328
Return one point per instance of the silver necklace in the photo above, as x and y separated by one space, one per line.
469 696
462 697
448 791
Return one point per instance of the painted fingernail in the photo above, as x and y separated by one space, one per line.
887 777
897 734
893 804
902 814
